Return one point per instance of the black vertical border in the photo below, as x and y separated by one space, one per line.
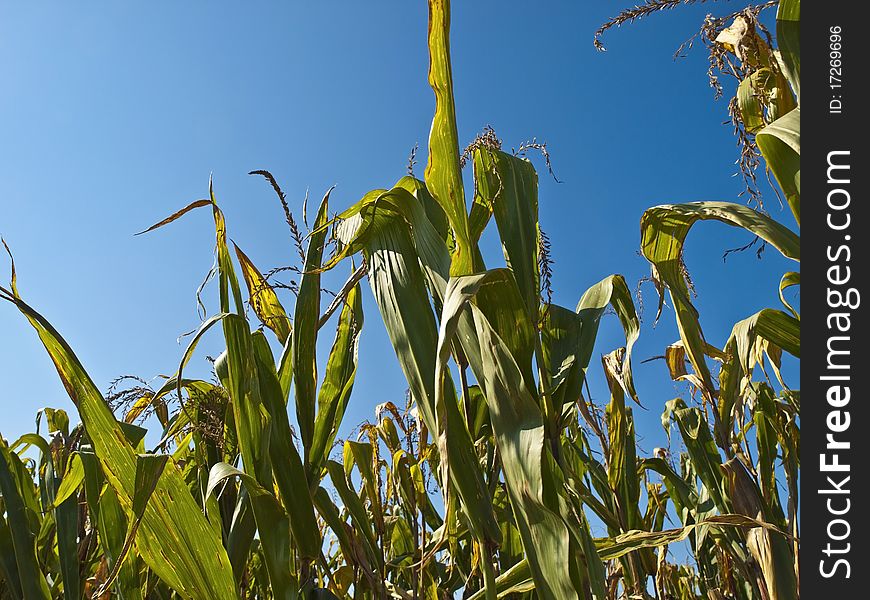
823 132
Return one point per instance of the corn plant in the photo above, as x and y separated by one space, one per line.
487 482
741 412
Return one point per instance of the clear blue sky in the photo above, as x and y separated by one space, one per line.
113 115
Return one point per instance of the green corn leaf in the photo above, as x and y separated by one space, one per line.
107 513
29 575
611 291
364 457
780 144
306 319
240 536
788 32
622 469
701 449
347 538
777 331
378 209
622 459
663 233
434 213
355 508
443 174
766 440
192 561
8 561
272 525
263 299
253 427
66 517
788 280
57 420
287 465
560 342
763 96
400 289
500 299
113 524
515 580
32 439
568 339
149 468
775 326
510 185
285 370
338 379
519 433
683 496
252 419
630 541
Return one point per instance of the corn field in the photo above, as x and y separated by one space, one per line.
487 483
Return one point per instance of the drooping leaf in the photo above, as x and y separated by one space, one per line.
663 233
263 299
780 144
516 580
271 522
630 541
176 215
612 291
788 280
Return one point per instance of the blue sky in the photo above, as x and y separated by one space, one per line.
115 114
